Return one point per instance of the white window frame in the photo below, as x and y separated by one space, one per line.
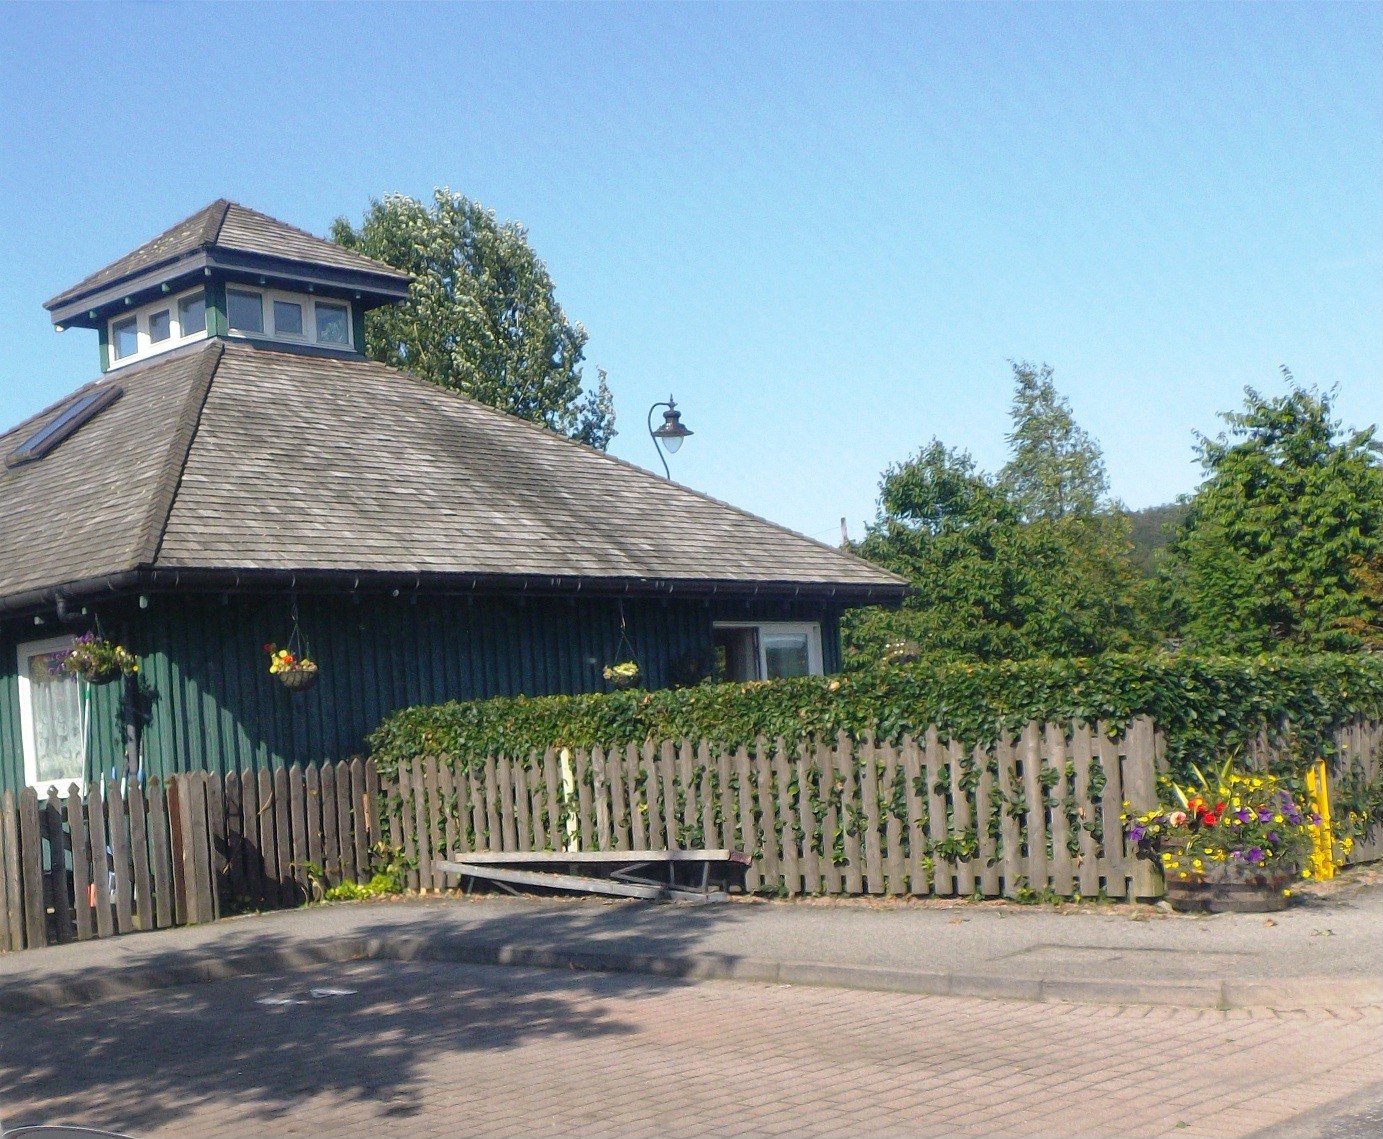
145 347
815 665
308 302
23 654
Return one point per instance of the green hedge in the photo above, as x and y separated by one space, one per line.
1207 705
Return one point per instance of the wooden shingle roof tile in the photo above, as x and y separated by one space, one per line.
295 462
227 225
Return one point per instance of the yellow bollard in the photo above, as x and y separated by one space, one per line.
1323 836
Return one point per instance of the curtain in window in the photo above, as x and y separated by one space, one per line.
59 736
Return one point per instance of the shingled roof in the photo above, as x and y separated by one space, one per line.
230 226
231 457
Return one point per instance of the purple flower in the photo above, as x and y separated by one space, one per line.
1136 832
1237 855
1265 814
1272 837
1244 815
1255 854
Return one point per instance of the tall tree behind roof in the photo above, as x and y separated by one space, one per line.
482 316
1056 469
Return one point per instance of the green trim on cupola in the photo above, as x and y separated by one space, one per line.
217 321
358 325
103 334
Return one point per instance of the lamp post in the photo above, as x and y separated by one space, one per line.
670 432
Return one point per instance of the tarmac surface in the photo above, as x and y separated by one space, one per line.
744 1019
1325 951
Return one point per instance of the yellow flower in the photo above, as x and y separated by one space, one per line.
1306 874
1196 862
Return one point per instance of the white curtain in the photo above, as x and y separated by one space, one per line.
59 733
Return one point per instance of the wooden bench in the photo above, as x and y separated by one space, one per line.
654 875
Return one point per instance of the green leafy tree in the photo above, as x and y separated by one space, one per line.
988 584
482 316
1056 469
1284 541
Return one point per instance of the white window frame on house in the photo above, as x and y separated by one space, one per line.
146 346
24 653
766 629
308 303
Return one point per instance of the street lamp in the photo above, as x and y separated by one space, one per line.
670 432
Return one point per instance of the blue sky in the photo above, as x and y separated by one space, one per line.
826 229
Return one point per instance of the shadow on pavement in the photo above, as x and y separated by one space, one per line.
261 1046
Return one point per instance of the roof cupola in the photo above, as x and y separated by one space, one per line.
233 273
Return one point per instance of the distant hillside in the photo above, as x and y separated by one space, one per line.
1153 528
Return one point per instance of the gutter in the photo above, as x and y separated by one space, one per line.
399 583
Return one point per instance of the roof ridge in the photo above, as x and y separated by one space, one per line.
216 218
634 467
170 475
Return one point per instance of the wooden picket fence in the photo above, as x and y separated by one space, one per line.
1035 815
118 857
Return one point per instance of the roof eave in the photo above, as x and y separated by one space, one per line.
89 308
401 583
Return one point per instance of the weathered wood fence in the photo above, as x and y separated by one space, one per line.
1039 814
113 858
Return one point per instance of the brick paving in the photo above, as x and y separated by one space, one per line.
449 1050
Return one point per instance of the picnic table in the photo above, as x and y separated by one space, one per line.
654 875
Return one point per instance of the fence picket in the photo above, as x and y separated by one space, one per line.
811 863
139 852
1087 869
771 836
81 864
961 816
233 799
636 786
820 779
303 818
938 821
919 881
31 865
748 834
775 758
312 815
346 825
1010 826
521 801
433 792
200 885
893 825
668 793
100 861
64 925
707 797
686 792
1114 864
362 832
1037 809
118 836
283 852
160 853
867 763
619 812
13 885
988 857
1140 784
1062 869
504 779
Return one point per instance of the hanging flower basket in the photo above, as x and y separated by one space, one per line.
296 673
95 659
623 675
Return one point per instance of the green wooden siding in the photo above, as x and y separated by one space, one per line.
213 705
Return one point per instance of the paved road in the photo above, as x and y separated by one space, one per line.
381 1048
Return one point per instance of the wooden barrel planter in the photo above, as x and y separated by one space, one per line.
1260 894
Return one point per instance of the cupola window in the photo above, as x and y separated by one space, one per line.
288 318
124 337
192 314
160 326
333 324
245 310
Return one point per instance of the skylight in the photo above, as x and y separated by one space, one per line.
67 422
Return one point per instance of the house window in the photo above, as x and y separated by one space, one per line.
245 310
333 324
160 326
192 314
124 337
51 722
767 650
288 318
